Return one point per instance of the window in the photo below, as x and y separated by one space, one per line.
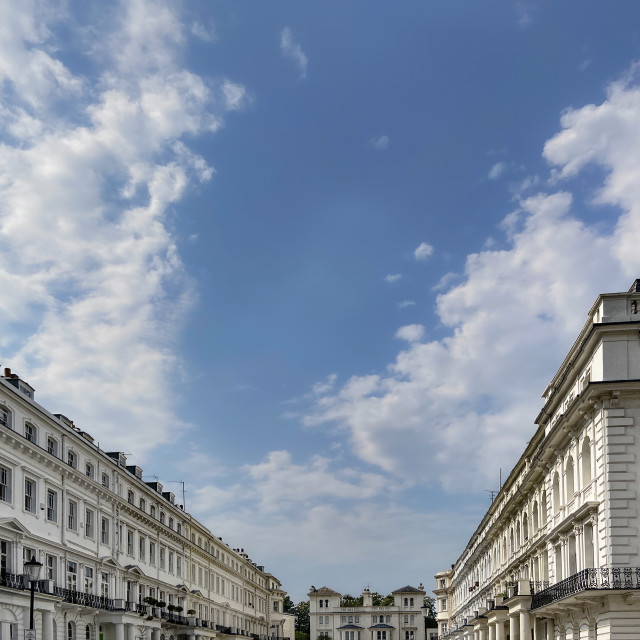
30 433
72 459
52 505
89 523
72 516
162 557
130 542
179 528
104 531
88 470
52 446
350 619
411 602
406 602
276 606
29 495
152 511
556 493
570 479
143 504
88 580
72 576
375 620
586 462
130 497
71 631
51 565
5 484
179 566
5 416
321 601
170 561
104 584
152 553
406 619
162 517
27 554
105 480
171 523
141 545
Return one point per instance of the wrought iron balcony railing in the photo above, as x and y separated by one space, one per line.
586 580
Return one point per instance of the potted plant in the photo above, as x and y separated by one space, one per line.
171 607
191 615
178 609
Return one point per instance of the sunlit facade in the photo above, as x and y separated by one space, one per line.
557 554
121 559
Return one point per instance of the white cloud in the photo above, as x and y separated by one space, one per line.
410 332
206 34
94 291
293 51
497 170
393 277
406 303
423 251
473 395
320 388
234 95
381 143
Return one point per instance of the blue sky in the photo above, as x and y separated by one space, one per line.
316 260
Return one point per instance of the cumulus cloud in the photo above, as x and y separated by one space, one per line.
293 51
393 277
473 394
94 291
410 332
381 143
423 251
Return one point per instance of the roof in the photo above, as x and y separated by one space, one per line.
408 589
350 626
381 626
323 591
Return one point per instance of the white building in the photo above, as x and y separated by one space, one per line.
111 545
402 621
557 554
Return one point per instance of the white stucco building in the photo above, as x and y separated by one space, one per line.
108 542
557 555
402 621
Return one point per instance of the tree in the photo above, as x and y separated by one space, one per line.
301 612
287 605
382 601
349 601
430 620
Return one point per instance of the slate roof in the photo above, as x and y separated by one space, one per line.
381 626
350 626
323 591
408 589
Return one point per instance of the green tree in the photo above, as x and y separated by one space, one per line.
301 612
430 619
349 601
287 604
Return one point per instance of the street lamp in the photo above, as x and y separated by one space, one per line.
32 570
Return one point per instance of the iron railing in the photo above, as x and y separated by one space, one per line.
174 618
588 579
84 599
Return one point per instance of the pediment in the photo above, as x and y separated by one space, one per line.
13 525
135 569
182 587
111 562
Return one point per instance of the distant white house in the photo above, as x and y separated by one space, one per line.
402 621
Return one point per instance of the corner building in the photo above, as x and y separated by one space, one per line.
121 560
557 556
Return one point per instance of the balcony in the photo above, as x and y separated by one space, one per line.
603 579
84 599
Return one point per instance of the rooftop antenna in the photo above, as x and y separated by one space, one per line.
184 502
493 493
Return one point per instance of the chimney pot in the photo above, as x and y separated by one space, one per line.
7 372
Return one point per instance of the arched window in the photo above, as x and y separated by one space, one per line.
411 602
87 632
556 493
511 547
570 479
586 462
406 602
543 507
5 416
71 631
31 433
130 497
321 604
525 527
534 518
589 553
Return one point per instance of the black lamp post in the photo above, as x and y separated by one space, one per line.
32 569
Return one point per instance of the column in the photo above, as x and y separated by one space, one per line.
514 627
500 630
47 625
119 630
5 629
155 634
131 632
492 631
525 625
482 633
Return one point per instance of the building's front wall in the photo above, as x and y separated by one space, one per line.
402 621
568 507
101 532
